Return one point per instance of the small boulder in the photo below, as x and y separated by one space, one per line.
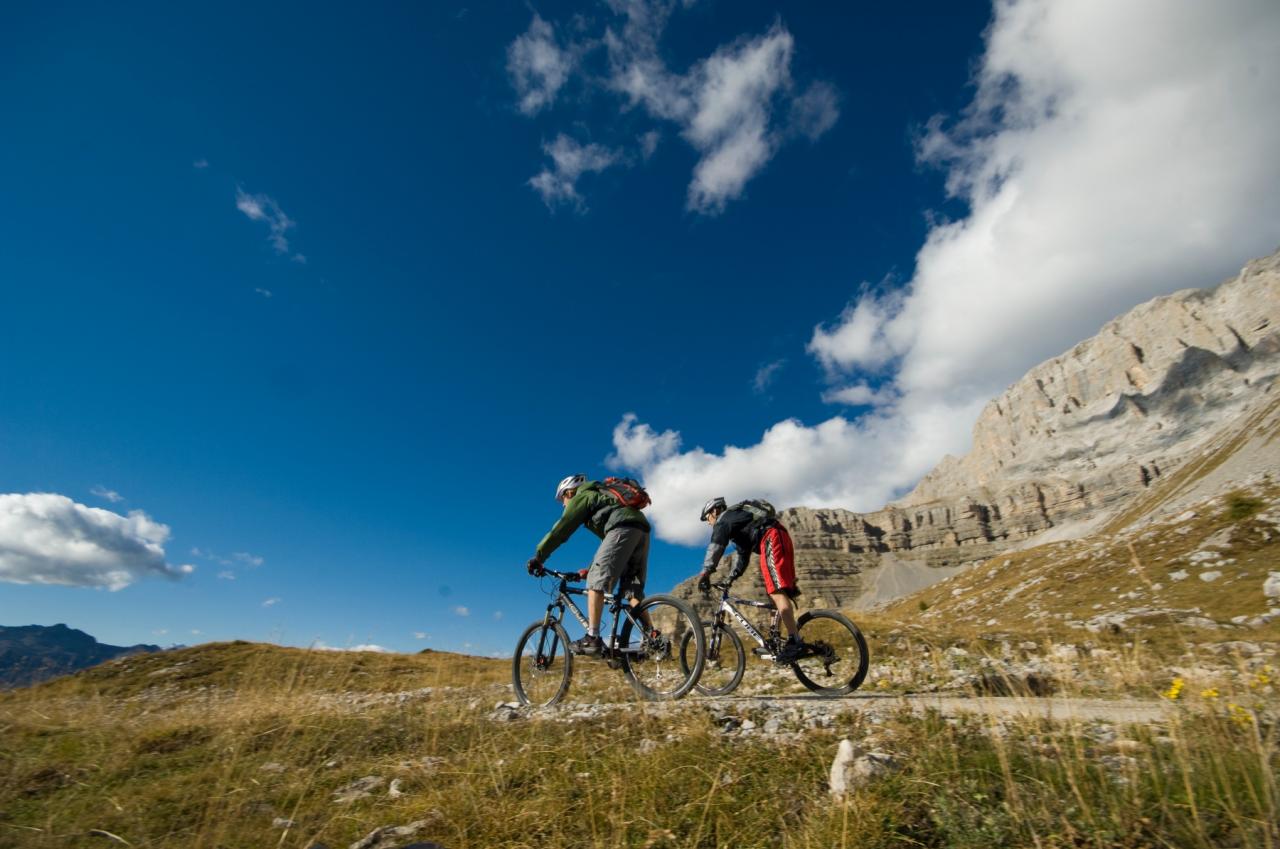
855 767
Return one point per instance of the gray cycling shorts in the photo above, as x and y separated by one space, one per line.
623 554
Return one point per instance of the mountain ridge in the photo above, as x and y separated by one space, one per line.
33 653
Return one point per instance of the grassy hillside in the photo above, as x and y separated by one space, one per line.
242 745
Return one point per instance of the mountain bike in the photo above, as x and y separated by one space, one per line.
543 660
833 658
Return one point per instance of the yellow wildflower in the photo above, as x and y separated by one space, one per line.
1175 689
1211 693
1239 715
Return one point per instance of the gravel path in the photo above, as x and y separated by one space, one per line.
1111 710
814 711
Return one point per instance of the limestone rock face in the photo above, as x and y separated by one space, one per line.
1068 444
1121 409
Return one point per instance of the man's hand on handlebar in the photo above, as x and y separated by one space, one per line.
582 574
534 566
704 582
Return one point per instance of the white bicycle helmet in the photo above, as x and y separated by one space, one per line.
571 482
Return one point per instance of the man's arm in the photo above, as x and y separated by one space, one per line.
577 511
740 562
712 559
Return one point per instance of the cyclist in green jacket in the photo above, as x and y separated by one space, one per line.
623 553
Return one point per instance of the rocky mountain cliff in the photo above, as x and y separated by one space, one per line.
32 653
1069 445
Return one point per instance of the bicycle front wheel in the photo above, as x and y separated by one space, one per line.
835 657
542 664
726 660
650 659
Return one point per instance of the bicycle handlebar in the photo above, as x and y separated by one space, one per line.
564 576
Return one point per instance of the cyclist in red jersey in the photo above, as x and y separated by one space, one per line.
752 527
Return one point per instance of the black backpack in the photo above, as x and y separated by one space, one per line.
762 512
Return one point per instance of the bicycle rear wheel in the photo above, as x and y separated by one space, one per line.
835 656
726 660
542 664
651 663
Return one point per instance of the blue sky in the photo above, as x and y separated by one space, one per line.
286 279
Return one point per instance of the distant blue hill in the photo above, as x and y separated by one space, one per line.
34 653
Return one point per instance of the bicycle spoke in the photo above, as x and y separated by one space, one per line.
725 663
835 657
542 664
652 662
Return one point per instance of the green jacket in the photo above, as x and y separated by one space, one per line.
595 508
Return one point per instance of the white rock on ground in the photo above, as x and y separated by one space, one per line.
1271 586
854 767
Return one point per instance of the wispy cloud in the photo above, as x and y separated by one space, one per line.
47 538
497 615
264 208
557 184
461 611
266 293
737 107
226 575
765 376
200 164
239 558
649 143
538 66
107 494
861 395
271 602
421 635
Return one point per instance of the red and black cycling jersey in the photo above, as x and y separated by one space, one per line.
741 528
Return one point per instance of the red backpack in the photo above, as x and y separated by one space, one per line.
628 492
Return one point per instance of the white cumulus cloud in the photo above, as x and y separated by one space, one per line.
46 538
320 645
638 446
1112 152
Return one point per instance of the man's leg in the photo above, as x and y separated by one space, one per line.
787 610
777 567
611 558
636 574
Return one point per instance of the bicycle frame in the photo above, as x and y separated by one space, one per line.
618 610
727 606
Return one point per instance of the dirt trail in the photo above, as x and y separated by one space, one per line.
1064 709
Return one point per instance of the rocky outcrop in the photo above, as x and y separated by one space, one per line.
1121 409
1071 442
